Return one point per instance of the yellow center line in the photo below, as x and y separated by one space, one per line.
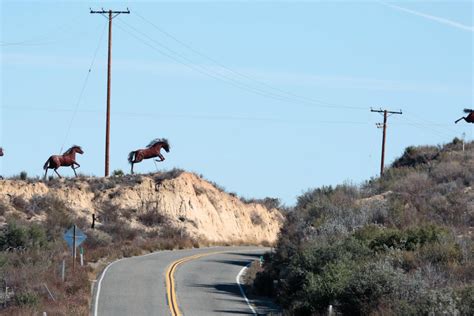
170 284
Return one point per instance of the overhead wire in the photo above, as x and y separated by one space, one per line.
46 38
241 74
220 76
186 116
199 68
424 127
83 88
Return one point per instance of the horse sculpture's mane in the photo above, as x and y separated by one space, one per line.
156 141
468 110
70 149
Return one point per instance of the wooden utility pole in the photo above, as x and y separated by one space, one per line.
110 15
384 127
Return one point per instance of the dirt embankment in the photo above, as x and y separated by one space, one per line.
186 201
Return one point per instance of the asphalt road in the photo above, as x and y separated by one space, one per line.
204 286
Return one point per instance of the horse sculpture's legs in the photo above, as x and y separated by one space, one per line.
56 170
462 118
45 173
131 171
74 169
161 157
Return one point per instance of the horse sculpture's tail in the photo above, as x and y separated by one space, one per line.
131 156
46 164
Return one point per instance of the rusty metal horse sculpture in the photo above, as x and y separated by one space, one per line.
469 118
68 159
151 151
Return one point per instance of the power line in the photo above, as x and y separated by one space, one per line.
199 68
79 99
222 77
188 116
240 74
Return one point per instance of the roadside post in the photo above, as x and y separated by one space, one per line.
74 237
81 254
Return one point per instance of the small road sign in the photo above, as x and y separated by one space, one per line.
69 236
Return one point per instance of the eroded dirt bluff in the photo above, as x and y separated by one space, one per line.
186 200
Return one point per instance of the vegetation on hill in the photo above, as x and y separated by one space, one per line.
31 253
32 226
396 245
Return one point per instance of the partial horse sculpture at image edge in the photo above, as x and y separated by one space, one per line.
469 118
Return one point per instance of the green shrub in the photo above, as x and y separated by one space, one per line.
118 173
23 175
15 236
26 299
152 217
256 219
465 300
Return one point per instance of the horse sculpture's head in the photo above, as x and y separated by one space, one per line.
166 145
1 151
163 142
75 149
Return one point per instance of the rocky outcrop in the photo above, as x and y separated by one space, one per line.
187 201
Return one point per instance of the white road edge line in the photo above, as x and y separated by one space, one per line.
237 279
96 301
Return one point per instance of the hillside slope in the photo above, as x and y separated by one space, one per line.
401 244
183 200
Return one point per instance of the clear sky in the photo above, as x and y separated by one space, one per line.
266 98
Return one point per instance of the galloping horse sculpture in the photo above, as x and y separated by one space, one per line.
151 151
68 159
469 118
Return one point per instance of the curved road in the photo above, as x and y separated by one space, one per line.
204 286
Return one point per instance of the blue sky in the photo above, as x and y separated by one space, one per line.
266 98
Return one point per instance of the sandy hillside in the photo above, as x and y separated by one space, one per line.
187 201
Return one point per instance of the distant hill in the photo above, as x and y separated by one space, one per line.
401 244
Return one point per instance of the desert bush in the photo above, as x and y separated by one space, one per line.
199 190
3 208
118 173
152 217
391 254
23 175
465 300
29 299
414 156
97 238
441 253
19 203
376 284
120 230
268 202
167 175
256 219
17 236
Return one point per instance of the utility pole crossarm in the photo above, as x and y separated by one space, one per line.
108 11
389 112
